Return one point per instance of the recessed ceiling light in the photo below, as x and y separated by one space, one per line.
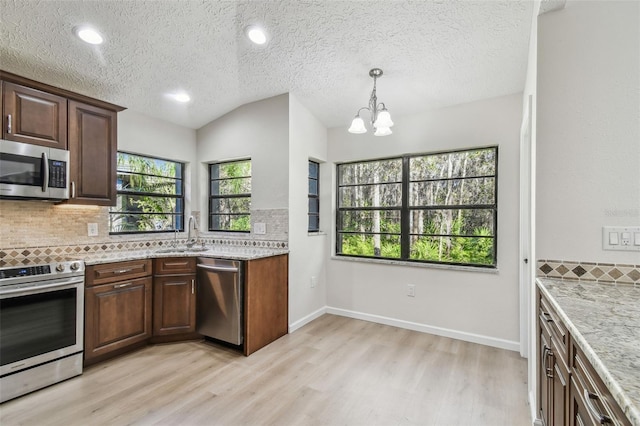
256 34
89 35
181 97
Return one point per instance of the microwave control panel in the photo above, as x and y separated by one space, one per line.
57 174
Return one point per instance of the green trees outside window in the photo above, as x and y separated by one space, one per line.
150 195
230 196
435 208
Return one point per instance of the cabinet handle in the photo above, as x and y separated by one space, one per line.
602 418
193 286
548 353
122 285
123 271
8 123
73 189
547 317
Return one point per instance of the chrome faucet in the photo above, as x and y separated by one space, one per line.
191 240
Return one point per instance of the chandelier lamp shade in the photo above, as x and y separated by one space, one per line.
380 119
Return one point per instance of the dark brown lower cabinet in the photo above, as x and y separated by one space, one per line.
266 301
174 296
570 390
174 302
117 315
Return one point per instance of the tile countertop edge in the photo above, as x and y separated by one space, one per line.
626 404
137 255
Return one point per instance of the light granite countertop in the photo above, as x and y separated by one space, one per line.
231 252
604 321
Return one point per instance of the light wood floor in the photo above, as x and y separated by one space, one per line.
333 371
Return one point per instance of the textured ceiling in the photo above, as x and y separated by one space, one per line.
434 53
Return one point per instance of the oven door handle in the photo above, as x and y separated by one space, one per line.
38 288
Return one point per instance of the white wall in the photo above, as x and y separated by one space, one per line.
588 136
140 134
307 140
260 131
473 306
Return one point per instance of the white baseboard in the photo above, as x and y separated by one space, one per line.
445 332
303 321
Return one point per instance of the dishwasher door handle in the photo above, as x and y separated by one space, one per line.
218 268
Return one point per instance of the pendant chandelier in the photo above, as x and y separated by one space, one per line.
380 119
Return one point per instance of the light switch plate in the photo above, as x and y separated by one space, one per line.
622 238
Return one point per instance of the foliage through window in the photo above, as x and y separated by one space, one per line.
150 195
230 196
314 197
434 208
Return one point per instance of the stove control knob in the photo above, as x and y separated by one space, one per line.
75 266
60 267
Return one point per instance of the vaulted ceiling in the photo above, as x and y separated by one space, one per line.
434 53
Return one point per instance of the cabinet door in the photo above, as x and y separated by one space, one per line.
35 117
93 150
174 304
116 315
544 371
560 386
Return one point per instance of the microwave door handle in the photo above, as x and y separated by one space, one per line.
45 172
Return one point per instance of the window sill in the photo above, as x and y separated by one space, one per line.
416 264
316 234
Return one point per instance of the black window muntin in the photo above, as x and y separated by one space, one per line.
178 197
404 209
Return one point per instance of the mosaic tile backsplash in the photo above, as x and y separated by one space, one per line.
609 273
37 232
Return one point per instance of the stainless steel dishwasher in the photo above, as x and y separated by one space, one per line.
220 299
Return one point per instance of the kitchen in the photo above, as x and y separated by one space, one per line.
281 133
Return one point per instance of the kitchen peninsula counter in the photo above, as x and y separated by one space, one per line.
604 321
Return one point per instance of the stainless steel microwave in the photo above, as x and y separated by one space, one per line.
33 172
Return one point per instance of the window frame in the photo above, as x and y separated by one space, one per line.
405 209
211 197
315 196
181 197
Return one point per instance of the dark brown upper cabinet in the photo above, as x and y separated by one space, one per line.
33 116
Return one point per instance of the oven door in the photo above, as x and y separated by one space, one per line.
40 322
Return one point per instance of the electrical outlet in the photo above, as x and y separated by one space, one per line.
260 228
314 282
92 229
411 290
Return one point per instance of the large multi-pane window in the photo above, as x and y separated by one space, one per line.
230 196
314 196
150 195
434 208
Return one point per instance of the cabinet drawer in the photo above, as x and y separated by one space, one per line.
556 328
112 272
592 393
174 265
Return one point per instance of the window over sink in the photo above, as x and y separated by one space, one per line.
230 196
150 195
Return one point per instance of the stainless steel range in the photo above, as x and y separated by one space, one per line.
41 326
